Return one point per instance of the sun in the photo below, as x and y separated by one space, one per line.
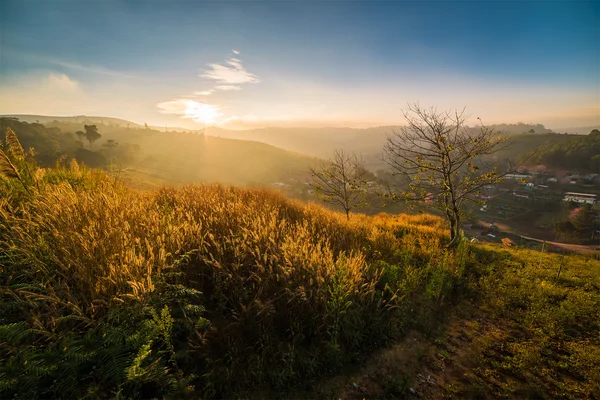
201 112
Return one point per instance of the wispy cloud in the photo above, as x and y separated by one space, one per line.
96 69
230 74
227 77
235 52
228 87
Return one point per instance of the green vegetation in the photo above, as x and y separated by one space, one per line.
582 153
528 144
544 340
213 291
147 158
528 329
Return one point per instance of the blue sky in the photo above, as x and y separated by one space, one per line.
259 63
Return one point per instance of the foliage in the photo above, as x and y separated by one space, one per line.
581 153
544 339
91 134
212 291
50 143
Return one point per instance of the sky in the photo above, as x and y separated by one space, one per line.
301 63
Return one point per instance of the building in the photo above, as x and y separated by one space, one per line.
581 198
517 176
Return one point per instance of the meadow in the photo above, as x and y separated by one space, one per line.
211 291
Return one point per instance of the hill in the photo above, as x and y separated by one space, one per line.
369 142
315 142
582 153
80 119
222 292
578 130
147 157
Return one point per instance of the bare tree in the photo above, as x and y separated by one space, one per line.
443 160
340 181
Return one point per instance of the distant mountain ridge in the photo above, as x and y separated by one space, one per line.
316 142
90 119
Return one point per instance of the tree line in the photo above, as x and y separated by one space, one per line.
52 143
581 153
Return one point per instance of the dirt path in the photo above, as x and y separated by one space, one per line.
575 248
419 367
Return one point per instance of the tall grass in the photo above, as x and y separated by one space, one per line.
213 291
205 289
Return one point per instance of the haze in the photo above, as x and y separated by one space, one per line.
241 65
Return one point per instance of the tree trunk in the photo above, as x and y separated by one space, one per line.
454 230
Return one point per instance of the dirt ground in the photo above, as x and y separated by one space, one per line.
420 367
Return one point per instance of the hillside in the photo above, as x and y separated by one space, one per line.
80 120
223 292
578 130
369 142
146 157
580 154
315 142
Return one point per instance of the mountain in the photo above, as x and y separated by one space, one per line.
313 142
90 120
81 119
581 130
318 142
148 157
369 142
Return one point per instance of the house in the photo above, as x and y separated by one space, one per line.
521 193
581 198
516 176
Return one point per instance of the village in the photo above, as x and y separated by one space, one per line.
527 208
540 205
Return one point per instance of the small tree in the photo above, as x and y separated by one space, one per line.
340 181
110 145
584 220
91 134
80 135
440 158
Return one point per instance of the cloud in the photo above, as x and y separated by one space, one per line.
228 87
204 92
96 69
235 51
199 112
230 74
42 92
62 82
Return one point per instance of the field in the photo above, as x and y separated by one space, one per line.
213 291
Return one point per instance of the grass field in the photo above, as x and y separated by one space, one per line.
213 291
